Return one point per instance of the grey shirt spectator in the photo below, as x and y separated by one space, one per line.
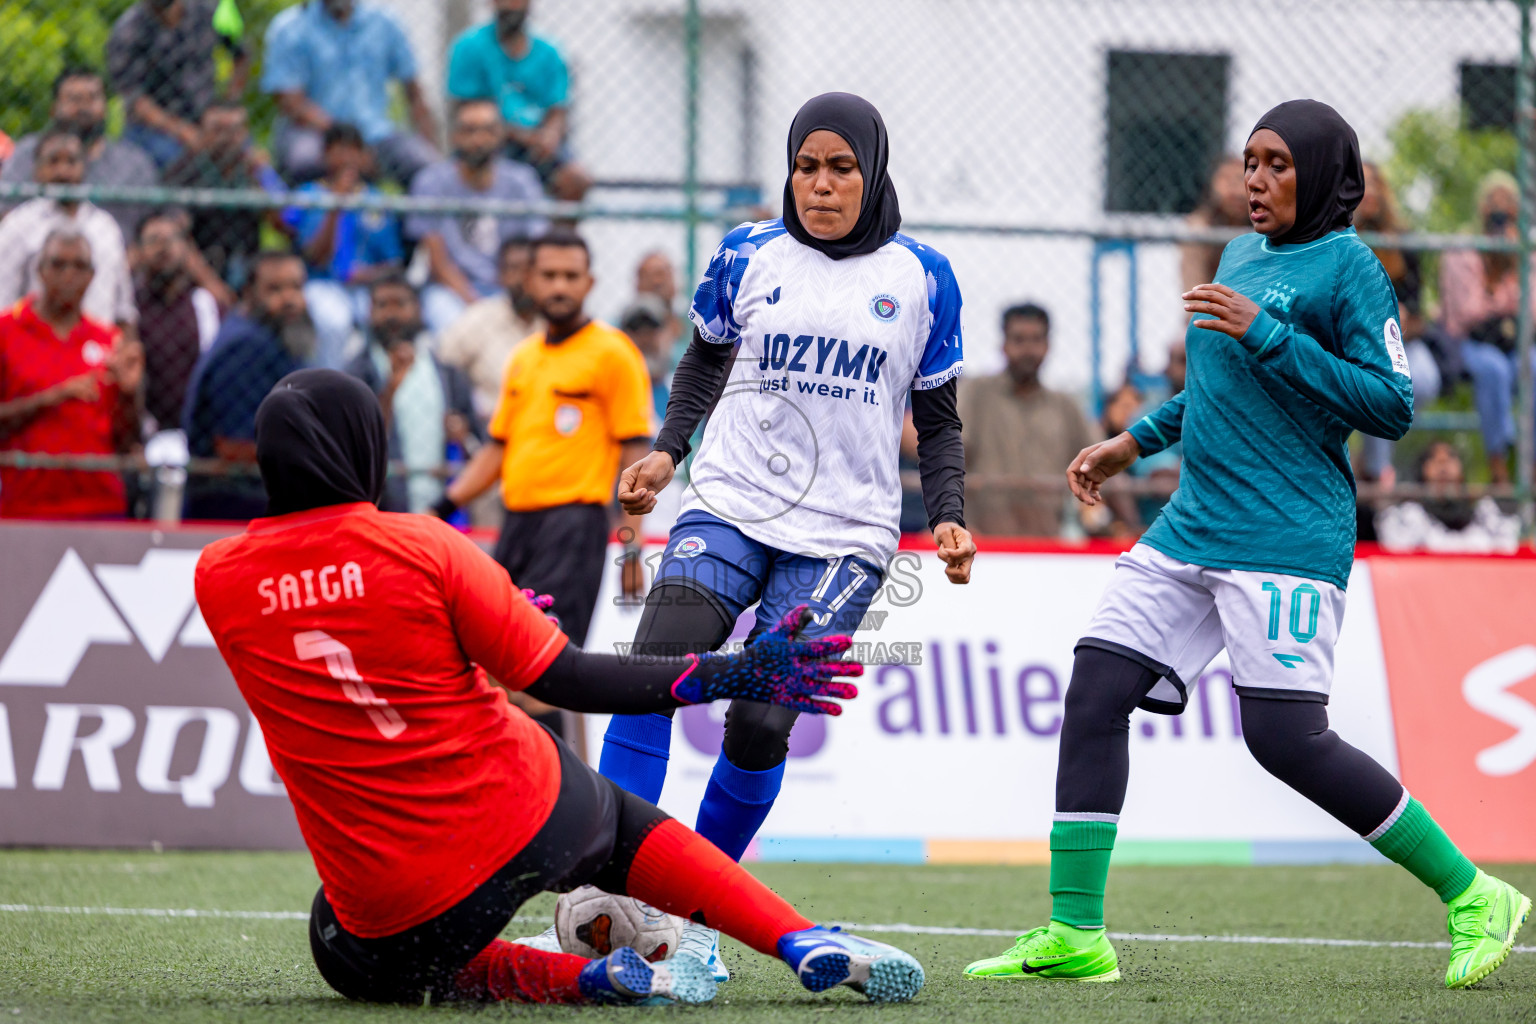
80 105
160 58
473 240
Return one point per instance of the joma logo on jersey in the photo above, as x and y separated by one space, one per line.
1279 296
812 354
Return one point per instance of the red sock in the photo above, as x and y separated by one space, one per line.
683 873
520 974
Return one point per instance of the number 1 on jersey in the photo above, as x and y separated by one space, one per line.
314 644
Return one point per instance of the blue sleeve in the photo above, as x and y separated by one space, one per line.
283 66
714 303
558 90
465 80
1162 427
1364 381
402 61
943 356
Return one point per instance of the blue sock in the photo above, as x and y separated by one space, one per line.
735 803
635 752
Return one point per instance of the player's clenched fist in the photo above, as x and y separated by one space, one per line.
640 483
1099 462
956 549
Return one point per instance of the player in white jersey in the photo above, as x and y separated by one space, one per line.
833 317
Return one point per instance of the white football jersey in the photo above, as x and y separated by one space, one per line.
801 451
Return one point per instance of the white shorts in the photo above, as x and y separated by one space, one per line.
1173 617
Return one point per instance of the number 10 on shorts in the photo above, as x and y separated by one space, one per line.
1303 595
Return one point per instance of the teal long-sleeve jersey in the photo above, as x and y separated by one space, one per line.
1265 419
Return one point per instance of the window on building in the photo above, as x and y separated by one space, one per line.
1166 122
1488 95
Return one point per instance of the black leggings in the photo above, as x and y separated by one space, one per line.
592 836
1289 738
680 620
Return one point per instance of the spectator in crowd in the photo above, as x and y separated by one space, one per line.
333 60
462 250
344 249
1016 427
160 57
60 160
80 106
427 403
1446 519
228 239
1480 300
503 62
1118 514
68 384
178 320
1225 206
1377 213
575 408
255 348
646 321
480 341
655 275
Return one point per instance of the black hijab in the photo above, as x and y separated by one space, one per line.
320 440
1329 178
860 125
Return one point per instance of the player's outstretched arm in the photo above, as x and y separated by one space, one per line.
778 668
1099 462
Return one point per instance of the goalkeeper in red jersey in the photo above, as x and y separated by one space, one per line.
433 809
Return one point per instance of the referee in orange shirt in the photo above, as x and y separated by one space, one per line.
575 406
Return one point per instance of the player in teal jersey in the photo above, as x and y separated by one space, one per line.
1292 348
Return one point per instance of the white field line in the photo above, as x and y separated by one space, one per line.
889 929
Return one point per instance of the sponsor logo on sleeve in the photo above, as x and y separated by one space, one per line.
1393 336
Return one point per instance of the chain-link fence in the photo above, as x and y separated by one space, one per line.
1072 153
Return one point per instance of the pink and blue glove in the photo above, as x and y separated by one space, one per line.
543 602
777 668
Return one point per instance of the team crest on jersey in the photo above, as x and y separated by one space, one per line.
567 419
688 547
884 308
93 353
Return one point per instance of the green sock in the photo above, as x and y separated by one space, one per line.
1079 868
1077 938
1421 846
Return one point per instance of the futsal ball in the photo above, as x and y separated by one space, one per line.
593 923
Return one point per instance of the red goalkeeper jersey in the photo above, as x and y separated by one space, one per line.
355 636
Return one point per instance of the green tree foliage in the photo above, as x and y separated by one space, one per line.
1436 166
38 39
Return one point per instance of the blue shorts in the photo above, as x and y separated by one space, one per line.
710 554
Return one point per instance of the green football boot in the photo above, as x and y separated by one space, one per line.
1483 922
1041 953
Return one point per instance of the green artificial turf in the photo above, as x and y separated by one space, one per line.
95 967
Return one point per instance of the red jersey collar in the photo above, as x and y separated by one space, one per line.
268 524
26 312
